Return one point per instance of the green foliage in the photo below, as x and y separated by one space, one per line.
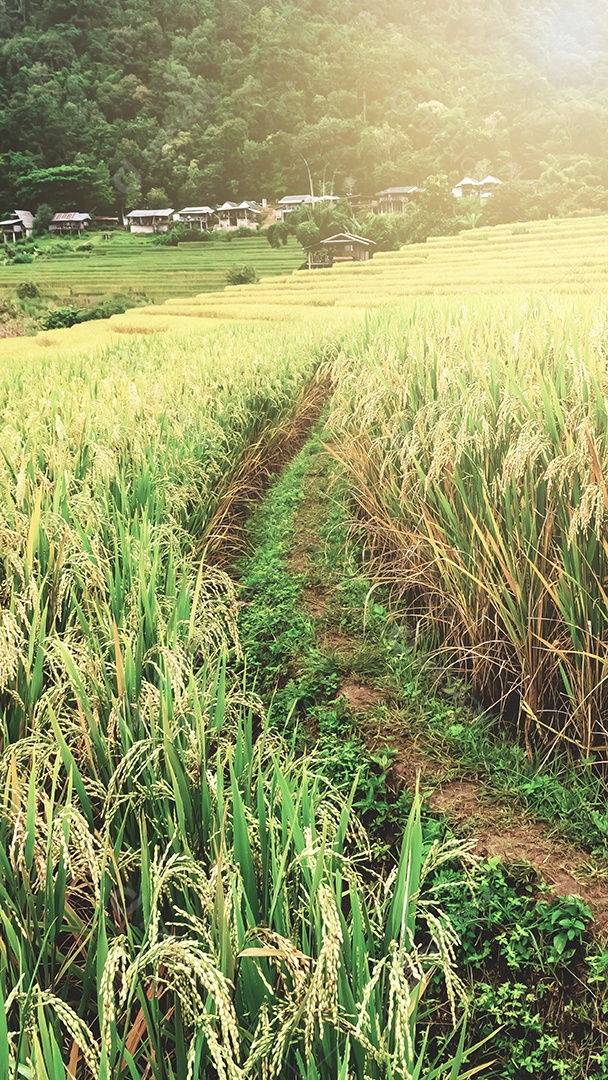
111 305
60 318
42 219
207 99
300 680
525 953
79 186
278 233
196 236
28 290
170 238
69 315
179 890
242 275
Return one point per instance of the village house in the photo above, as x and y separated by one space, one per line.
362 203
71 223
393 200
237 215
150 221
343 247
18 227
289 203
197 217
481 189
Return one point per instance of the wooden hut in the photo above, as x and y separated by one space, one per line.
150 221
393 200
72 223
343 247
232 215
198 217
18 226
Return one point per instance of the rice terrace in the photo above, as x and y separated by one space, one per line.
304 540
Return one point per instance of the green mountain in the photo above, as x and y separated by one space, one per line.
191 101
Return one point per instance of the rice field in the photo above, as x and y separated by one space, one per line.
548 258
476 443
135 264
181 895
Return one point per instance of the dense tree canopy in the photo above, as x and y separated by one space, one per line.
212 99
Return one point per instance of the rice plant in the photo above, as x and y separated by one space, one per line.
180 895
475 440
181 898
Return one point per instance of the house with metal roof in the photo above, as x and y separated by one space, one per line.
238 215
482 189
197 217
150 221
69 223
393 200
18 226
289 203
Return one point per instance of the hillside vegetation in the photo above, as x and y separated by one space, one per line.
201 100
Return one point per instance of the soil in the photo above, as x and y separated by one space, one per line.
360 697
499 829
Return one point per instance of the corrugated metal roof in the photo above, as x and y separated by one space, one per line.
398 191
468 182
150 213
197 210
70 217
239 206
287 200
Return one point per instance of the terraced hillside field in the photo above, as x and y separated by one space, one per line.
135 264
547 257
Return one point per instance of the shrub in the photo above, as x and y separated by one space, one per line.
28 290
244 231
168 239
87 246
42 220
60 247
242 275
60 318
111 305
194 236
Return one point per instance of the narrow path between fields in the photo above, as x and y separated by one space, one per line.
500 828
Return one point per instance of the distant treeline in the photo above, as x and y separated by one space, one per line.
175 102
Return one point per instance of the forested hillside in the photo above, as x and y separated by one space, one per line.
188 100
